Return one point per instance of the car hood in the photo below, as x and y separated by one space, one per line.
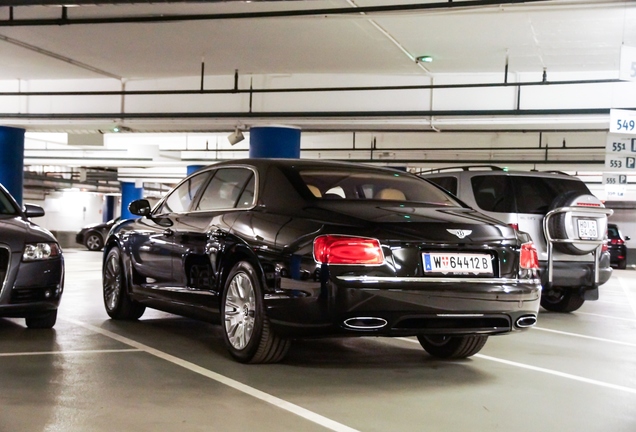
412 220
15 231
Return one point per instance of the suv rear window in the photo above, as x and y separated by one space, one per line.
521 194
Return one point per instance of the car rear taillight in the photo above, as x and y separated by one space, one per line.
604 247
528 259
514 226
616 241
336 249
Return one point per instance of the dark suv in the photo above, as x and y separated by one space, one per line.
616 246
566 222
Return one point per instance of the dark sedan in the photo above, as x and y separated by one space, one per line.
92 236
280 249
31 266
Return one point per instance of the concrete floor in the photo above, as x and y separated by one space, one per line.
574 372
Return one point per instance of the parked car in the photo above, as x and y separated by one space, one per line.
522 199
92 236
617 247
31 265
280 249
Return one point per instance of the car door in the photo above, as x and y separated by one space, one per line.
201 235
152 242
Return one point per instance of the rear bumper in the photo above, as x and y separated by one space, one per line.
365 306
575 273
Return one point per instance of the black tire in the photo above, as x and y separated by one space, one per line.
452 347
559 299
42 321
93 241
622 264
117 302
246 330
558 223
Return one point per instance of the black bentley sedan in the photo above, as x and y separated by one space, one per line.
31 266
280 249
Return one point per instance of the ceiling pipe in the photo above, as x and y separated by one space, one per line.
265 14
236 90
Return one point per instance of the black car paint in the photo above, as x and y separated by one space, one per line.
179 264
24 284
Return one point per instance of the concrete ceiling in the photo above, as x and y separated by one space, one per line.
114 45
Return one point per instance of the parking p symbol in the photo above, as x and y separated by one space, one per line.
630 163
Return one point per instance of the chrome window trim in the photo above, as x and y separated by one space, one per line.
254 199
6 274
391 279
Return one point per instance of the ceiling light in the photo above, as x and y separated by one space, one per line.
424 59
236 136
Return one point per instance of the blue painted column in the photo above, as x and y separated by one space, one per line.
275 142
194 168
109 208
129 193
12 160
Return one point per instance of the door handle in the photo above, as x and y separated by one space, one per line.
168 232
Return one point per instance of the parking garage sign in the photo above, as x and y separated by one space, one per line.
622 121
620 153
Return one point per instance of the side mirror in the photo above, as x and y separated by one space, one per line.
627 238
140 207
31 210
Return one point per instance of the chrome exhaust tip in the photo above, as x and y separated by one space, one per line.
526 321
365 323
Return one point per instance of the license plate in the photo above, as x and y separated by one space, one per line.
457 263
587 229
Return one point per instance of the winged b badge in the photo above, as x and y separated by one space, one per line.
459 233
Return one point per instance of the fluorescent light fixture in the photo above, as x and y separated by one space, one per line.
424 59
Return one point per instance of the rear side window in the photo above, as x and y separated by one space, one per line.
225 189
494 193
6 207
448 183
535 194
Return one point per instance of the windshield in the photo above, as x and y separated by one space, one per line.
361 184
6 205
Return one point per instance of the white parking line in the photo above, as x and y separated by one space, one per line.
631 294
547 371
605 316
26 353
584 336
265 397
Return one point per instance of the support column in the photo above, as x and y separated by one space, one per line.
109 208
194 168
12 161
129 193
275 142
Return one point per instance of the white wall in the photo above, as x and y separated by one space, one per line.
71 210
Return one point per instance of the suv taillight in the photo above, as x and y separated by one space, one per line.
336 249
529 259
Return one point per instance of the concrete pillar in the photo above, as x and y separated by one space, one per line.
109 208
12 161
194 168
275 142
129 193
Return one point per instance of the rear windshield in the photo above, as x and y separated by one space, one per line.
352 184
6 206
521 194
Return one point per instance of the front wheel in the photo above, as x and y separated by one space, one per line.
452 347
246 329
116 300
559 299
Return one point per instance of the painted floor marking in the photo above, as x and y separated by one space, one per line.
631 295
258 394
605 316
26 353
548 371
584 336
